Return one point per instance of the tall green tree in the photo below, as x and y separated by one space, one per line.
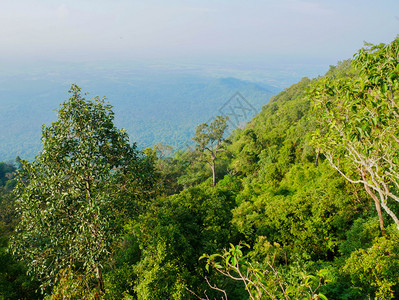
76 195
209 140
359 124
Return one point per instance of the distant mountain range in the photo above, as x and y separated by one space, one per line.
152 105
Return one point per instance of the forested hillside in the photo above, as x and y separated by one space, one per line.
303 203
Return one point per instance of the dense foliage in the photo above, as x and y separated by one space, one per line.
76 196
276 220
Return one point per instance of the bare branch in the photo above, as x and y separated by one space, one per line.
214 287
198 297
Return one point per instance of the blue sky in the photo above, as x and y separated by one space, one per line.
252 30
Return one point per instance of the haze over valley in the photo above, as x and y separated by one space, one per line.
154 103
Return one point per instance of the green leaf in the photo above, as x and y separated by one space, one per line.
234 261
322 296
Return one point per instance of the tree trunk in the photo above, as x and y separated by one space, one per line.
213 173
317 158
377 207
100 280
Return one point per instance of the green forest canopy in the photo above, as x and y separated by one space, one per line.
280 223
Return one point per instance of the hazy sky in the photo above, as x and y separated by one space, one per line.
324 30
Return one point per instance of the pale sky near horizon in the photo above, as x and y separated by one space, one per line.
79 30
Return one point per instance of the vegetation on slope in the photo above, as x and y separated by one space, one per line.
279 223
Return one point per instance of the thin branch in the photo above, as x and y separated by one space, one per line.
389 212
214 287
198 297
279 281
245 281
